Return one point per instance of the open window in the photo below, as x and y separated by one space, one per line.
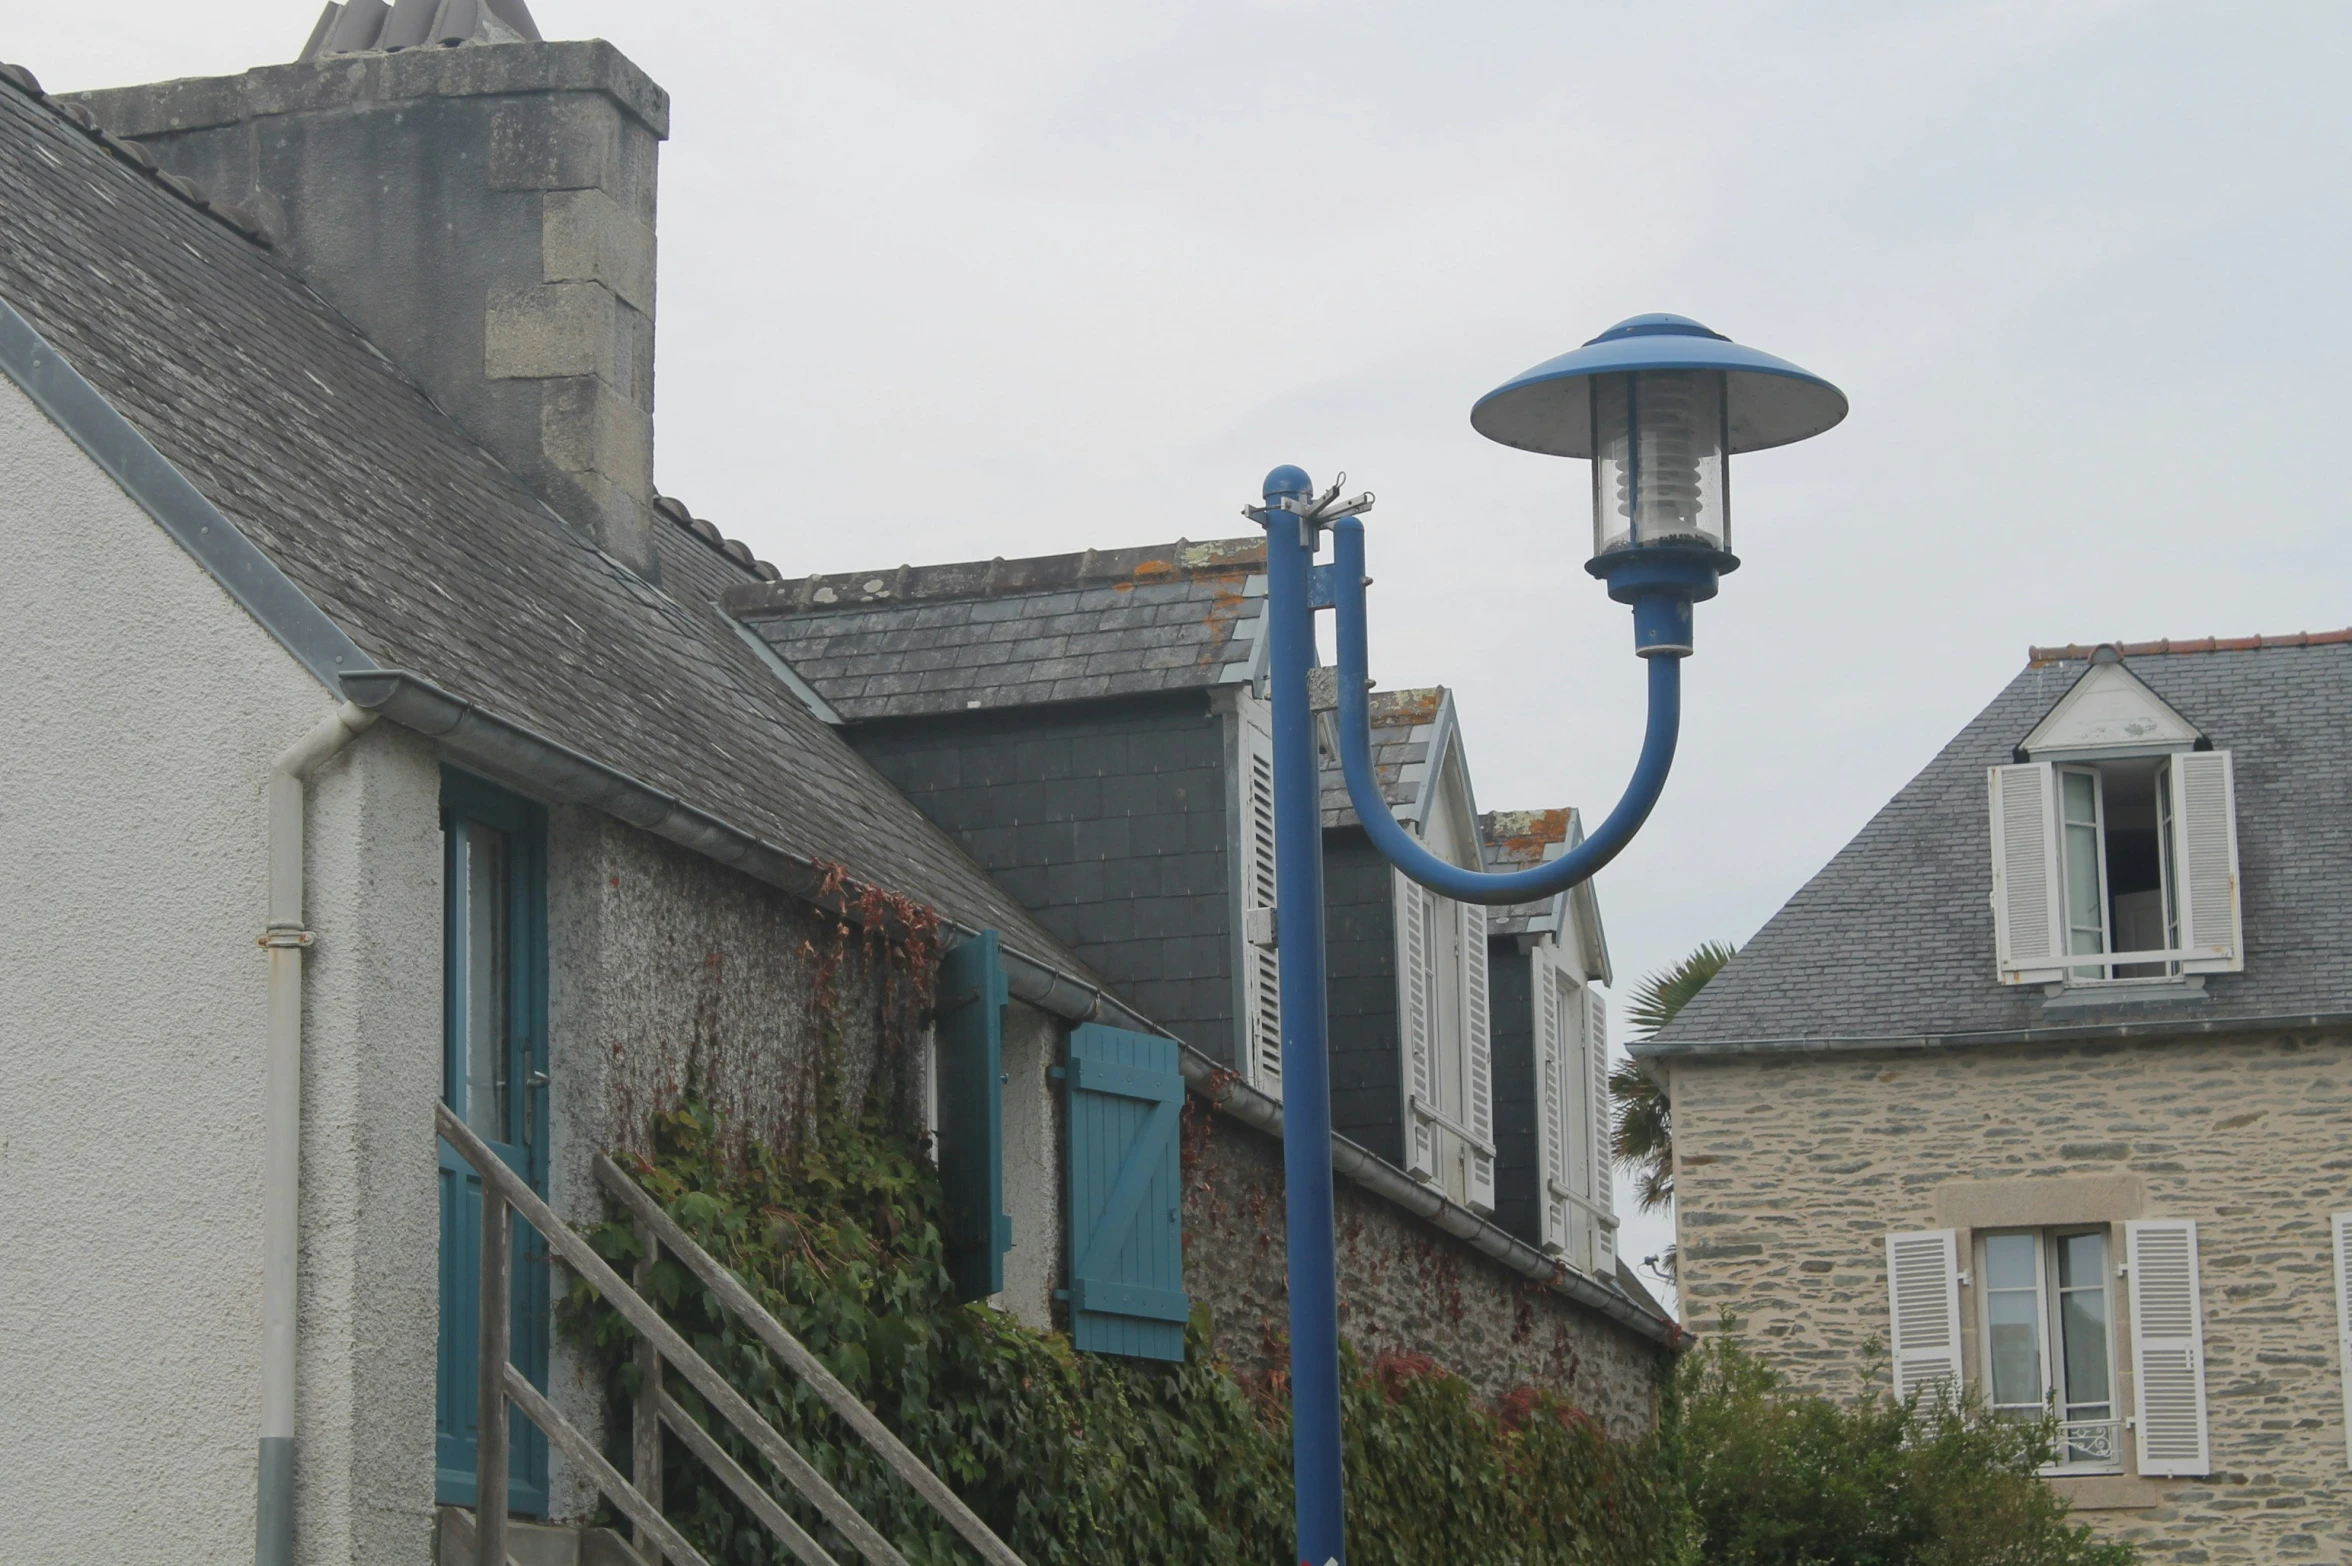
2047 1318
2114 837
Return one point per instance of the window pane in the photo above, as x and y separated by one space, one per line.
2082 1261
2016 1338
2086 923
2009 1261
2082 1324
2082 798
2082 1315
488 981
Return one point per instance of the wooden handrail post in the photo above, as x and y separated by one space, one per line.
646 1432
490 1442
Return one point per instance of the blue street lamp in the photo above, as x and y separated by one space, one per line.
1658 404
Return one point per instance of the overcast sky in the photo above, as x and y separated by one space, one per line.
941 282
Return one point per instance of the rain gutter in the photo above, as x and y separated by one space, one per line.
2077 1033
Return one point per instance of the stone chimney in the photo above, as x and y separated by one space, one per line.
480 203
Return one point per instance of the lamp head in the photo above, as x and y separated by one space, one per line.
1658 404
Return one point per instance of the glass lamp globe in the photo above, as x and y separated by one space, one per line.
1659 403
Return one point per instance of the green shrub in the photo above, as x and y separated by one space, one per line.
1079 1458
1780 1478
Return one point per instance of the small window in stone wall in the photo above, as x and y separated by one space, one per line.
2047 1302
2046 1322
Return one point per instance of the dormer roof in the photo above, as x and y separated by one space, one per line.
1523 839
1415 736
915 641
2108 712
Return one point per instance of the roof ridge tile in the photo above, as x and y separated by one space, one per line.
2077 652
707 533
231 215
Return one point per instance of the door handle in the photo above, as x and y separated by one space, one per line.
534 1082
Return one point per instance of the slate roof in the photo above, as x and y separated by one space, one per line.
1521 840
1409 732
1893 940
421 547
911 641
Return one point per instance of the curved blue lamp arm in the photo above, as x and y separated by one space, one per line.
1450 880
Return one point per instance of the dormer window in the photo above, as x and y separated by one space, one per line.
2114 836
2116 868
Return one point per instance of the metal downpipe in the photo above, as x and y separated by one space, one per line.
286 939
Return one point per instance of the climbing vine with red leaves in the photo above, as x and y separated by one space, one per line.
890 941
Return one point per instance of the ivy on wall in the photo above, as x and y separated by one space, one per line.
1077 1458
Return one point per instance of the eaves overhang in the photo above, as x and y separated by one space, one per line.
178 507
2151 1028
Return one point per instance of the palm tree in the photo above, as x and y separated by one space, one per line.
1645 1122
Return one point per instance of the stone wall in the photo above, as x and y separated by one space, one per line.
671 976
1403 1288
1792 1169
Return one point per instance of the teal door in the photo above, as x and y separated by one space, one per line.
494 1075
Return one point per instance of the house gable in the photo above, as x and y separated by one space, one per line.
84 415
2109 711
1892 942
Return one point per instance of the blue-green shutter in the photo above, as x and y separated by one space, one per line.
972 997
1126 1208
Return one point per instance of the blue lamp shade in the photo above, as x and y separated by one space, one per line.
1659 403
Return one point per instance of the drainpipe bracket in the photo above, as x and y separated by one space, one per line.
285 935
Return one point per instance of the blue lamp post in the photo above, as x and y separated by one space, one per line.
1658 404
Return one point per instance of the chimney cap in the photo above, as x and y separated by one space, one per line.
376 27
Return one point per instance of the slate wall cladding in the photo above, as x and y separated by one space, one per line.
1367 1086
1792 1169
1518 1170
1109 820
1403 1288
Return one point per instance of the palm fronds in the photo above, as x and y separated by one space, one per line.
1644 1133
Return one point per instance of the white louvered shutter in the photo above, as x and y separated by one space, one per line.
1478 1056
1262 960
2168 1346
1552 1087
1416 1002
1604 1140
1923 1298
2205 860
2026 901
2341 1224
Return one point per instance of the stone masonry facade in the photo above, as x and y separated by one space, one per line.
1404 1288
1792 1168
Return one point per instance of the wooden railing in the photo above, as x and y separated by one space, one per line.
662 1349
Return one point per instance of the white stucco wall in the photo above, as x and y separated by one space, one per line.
1032 1163
140 709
